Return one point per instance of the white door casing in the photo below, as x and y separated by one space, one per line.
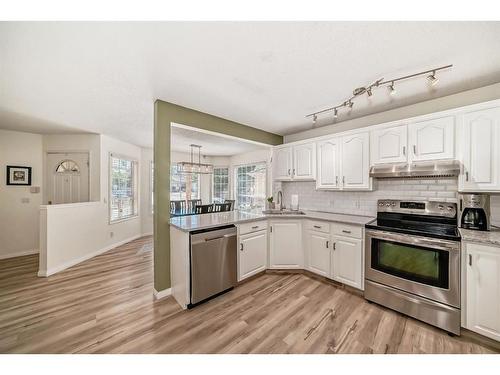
67 177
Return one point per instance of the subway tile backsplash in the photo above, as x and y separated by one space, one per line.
365 203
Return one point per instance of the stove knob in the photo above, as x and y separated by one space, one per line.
441 207
387 204
449 208
393 204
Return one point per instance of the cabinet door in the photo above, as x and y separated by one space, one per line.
483 290
319 253
389 145
282 163
286 244
304 162
347 262
433 139
480 143
252 254
328 175
356 162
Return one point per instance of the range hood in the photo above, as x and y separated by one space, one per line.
440 168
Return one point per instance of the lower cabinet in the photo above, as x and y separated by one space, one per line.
318 258
482 302
252 254
286 250
347 261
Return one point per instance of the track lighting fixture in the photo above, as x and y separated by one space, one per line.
392 90
380 82
432 78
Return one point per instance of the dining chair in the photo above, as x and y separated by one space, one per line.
230 201
177 207
204 208
221 207
192 203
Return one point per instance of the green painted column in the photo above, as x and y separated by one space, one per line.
164 115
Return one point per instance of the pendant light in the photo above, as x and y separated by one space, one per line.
192 167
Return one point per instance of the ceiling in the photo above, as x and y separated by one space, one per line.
105 76
212 145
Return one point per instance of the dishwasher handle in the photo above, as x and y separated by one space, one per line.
220 237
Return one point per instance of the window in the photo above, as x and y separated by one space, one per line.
123 188
250 186
67 166
220 184
183 186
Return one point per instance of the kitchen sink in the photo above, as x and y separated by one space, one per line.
283 212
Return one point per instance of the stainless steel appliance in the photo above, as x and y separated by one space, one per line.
213 263
440 168
474 211
412 261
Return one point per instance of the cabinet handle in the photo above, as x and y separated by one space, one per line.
293 172
271 229
334 246
317 226
466 176
415 149
336 180
343 180
346 231
289 172
241 246
404 150
327 243
255 227
470 259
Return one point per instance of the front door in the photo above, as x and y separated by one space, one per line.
67 177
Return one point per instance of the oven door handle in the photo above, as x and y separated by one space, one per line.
434 243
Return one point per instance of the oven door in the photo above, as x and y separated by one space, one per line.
424 266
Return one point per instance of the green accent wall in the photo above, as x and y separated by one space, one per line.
164 115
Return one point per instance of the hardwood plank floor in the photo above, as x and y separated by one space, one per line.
106 305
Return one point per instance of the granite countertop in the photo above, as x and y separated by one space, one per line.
491 237
205 221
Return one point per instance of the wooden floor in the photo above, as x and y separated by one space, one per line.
105 305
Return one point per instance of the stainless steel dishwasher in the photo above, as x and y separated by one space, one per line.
213 263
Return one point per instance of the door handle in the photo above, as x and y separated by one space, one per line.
415 149
241 246
334 246
289 171
317 226
346 231
470 259
466 176
327 242
404 150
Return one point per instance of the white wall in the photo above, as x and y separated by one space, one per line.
146 213
77 143
19 221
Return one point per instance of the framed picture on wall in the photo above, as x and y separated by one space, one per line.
18 175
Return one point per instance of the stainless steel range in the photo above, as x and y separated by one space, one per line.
412 261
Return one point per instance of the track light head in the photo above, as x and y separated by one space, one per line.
432 78
369 91
350 104
315 117
392 90
335 113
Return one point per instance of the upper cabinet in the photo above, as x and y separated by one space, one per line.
432 140
296 162
282 163
389 145
420 141
480 142
328 164
356 162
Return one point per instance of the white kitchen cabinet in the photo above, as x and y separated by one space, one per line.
252 254
318 249
283 163
328 165
483 290
347 258
286 250
304 162
356 162
389 145
432 139
481 157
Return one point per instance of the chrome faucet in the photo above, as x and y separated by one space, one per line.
280 200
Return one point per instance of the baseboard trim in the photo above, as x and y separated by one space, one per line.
147 234
162 293
74 262
19 254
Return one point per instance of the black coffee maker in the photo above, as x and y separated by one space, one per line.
474 211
